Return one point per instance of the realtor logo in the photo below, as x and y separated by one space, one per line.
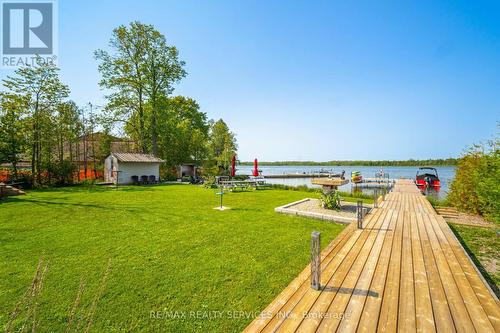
28 30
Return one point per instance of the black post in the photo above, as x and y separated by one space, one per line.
315 260
359 211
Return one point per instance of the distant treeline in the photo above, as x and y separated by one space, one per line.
431 162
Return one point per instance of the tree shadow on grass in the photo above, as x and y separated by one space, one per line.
56 203
97 188
478 264
107 207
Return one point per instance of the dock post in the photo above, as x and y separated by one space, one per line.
315 260
359 211
375 198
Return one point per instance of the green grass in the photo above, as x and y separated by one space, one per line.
483 246
169 251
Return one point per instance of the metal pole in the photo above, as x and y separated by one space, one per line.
315 260
359 210
375 198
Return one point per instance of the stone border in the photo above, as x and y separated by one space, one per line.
319 216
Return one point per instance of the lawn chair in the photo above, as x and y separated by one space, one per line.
135 180
152 179
144 179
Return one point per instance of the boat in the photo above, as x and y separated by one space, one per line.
356 177
427 177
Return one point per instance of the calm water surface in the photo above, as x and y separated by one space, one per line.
446 175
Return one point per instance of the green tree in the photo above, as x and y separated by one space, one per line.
162 69
12 130
183 131
222 146
41 91
142 69
68 127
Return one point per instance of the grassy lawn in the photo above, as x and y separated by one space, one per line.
483 246
167 249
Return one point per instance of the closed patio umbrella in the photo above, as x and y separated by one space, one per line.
233 166
255 172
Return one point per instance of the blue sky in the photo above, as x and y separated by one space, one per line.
316 80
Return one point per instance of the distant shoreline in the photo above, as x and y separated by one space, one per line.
436 162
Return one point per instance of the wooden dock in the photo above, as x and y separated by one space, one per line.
404 271
302 175
374 183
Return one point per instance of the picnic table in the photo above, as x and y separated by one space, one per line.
243 184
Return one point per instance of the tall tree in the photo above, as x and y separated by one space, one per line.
68 127
184 131
12 130
142 68
222 145
162 69
41 91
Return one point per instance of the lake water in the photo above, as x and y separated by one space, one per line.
446 175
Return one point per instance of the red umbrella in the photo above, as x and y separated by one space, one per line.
255 172
233 166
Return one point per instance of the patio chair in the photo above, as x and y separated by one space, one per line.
152 179
135 180
144 179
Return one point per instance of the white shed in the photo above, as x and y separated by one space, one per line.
122 168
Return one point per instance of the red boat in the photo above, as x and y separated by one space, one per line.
427 177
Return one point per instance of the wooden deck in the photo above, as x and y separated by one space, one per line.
405 271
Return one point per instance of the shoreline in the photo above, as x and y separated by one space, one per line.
445 163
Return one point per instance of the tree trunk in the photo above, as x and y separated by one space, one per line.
33 158
38 158
154 133
142 130
78 159
93 154
14 166
70 143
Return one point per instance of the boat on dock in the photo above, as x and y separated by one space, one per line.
427 177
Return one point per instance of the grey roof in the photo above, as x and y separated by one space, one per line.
140 158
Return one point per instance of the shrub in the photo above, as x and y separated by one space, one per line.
168 174
330 200
210 182
476 187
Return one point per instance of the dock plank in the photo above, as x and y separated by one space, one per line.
404 271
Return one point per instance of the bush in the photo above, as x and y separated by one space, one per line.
210 183
476 187
168 174
186 179
23 176
330 200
